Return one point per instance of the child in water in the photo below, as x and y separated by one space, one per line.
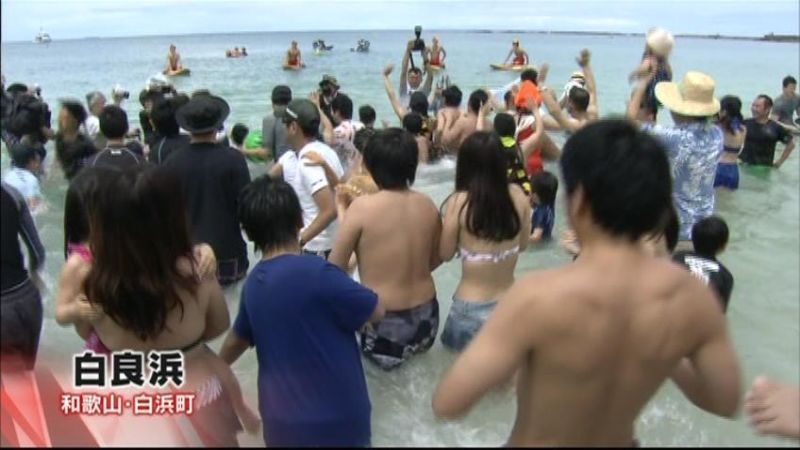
543 199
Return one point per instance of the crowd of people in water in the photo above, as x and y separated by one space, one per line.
153 222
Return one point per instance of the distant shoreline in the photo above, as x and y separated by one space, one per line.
771 37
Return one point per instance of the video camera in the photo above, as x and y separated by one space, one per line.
419 43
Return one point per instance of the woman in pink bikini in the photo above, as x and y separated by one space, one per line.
132 282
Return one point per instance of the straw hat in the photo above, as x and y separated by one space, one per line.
660 41
694 97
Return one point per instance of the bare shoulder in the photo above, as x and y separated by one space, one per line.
541 290
425 203
75 267
517 194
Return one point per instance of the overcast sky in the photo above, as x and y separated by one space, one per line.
64 19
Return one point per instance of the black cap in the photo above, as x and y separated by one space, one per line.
305 113
203 114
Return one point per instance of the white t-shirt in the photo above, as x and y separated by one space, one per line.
92 125
307 180
25 182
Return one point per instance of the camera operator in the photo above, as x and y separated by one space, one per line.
411 78
119 95
155 91
328 90
28 119
418 46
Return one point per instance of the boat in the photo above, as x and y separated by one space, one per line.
361 47
42 38
320 46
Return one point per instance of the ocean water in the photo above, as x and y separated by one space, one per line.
763 253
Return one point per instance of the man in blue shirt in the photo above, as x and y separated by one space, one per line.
301 313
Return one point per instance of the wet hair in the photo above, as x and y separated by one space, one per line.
624 176
476 98
709 236
415 70
418 103
508 96
239 133
452 96
545 185
391 156
144 96
139 231
767 99
281 95
481 173
113 122
732 106
17 89
789 80
412 122
75 110
163 117
81 200
672 230
362 137
22 155
529 75
366 114
270 213
343 105
579 97
71 155
504 125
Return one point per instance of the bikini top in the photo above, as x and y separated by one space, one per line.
81 250
493 257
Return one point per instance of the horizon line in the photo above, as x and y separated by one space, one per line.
473 30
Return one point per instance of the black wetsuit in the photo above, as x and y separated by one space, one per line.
20 303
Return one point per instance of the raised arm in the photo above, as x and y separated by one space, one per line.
584 61
404 69
398 108
566 123
533 141
327 126
638 96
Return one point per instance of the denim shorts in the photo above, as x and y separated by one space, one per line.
464 321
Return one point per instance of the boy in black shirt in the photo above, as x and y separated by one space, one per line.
709 236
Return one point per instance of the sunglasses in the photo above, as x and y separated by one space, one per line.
290 117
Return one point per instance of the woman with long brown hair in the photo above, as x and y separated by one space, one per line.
144 279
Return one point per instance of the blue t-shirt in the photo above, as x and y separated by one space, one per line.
301 313
544 216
